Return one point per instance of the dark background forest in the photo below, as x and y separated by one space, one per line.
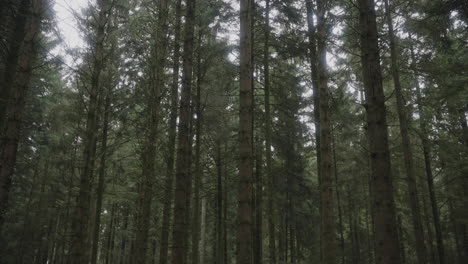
225 131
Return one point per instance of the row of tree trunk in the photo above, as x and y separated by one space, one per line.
281 230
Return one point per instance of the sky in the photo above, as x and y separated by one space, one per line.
67 25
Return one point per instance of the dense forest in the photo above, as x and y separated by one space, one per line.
225 131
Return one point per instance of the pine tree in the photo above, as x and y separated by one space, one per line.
183 175
244 251
383 204
79 249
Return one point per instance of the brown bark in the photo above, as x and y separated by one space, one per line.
20 85
183 181
244 250
169 182
383 205
403 118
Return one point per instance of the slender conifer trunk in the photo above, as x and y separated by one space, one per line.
183 180
406 145
20 87
244 235
383 206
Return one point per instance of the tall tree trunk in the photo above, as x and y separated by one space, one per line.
110 238
292 243
225 213
427 222
80 250
406 145
244 250
123 242
270 178
327 229
311 30
182 192
400 236
158 62
428 163
190 182
20 85
27 215
383 205
315 78
15 16
219 205
198 170
258 236
8 15
338 200
203 230
101 176
281 237
39 225
68 218
169 182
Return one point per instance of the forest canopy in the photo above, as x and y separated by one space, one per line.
234 131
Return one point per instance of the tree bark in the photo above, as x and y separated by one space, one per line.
169 182
244 250
225 213
327 228
182 191
403 118
219 205
311 30
101 176
428 163
110 238
383 205
203 230
79 250
270 178
258 236
123 242
338 200
16 15
198 169
149 149
20 85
